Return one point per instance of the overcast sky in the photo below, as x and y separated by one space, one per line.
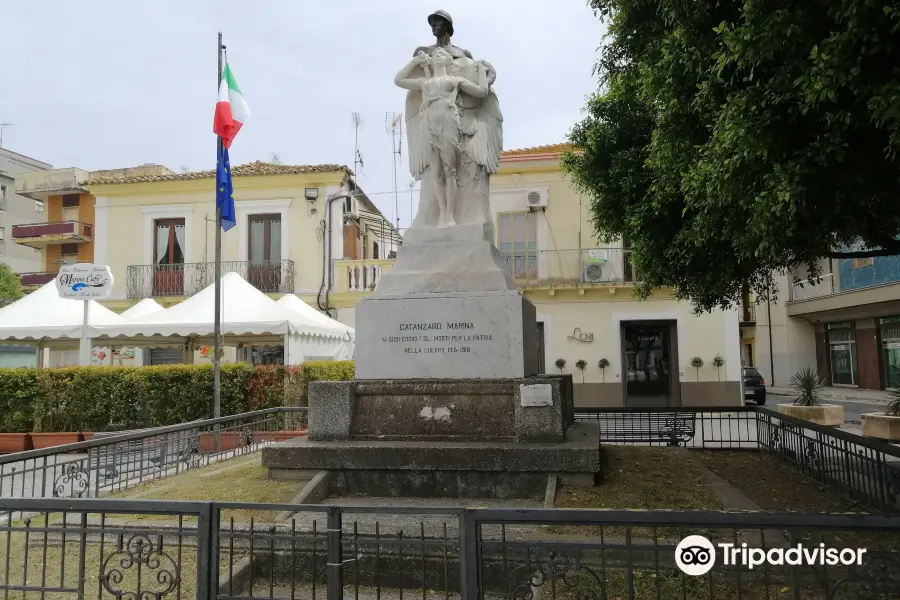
101 84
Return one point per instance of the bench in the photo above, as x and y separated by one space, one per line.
134 456
676 428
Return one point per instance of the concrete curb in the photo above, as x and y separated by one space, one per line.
314 492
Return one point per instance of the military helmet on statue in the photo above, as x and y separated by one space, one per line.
443 14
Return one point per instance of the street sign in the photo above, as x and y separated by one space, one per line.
84 281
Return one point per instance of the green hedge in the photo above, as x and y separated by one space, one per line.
113 398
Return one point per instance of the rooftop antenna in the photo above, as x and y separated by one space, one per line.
357 157
394 126
3 126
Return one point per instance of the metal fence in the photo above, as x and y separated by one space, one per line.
863 470
159 549
124 459
164 280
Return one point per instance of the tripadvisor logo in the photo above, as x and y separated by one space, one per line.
696 555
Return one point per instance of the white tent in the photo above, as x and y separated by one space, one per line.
295 304
247 316
43 315
141 309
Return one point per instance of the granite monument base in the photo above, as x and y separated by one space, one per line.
469 438
486 335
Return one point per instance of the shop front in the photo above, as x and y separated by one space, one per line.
889 338
843 360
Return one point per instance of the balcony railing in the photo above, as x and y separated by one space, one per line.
66 230
30 280
360 275
39 184
748 313
161 281
548 267
813 288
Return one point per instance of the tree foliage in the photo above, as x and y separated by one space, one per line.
732 138
10 286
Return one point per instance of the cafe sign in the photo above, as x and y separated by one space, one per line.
84 281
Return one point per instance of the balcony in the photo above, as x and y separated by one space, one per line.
179 280
39 235
360 275
40 185
32 281
540 268
748 315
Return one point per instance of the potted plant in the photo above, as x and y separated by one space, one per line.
602 364
14 442
808 406
886 425
276 436
228 440
582 365
15 427
718 362
560 364
697 363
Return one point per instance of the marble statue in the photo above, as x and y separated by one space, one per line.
454 130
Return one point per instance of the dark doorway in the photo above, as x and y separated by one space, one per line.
647 360
542 367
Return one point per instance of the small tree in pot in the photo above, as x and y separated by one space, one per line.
602 364
718 362
697 363
581 364
809 404
886 425
560 364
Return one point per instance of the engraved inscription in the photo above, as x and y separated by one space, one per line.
461 335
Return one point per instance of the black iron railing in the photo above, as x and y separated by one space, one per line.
124 459
186 279
170 549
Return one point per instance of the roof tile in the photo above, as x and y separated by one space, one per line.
548 149
251 169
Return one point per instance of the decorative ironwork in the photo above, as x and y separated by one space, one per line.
555 565
186 279
146 563
811 456
73 482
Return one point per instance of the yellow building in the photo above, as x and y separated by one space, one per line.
583 293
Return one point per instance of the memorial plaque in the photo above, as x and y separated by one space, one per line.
540 394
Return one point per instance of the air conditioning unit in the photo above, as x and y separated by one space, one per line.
535 199
595 266
351 207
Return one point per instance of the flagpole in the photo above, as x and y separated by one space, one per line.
217 319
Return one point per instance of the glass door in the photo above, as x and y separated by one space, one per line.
842 354
168 258
647 380
265 252
890 351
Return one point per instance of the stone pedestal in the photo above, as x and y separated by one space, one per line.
496 438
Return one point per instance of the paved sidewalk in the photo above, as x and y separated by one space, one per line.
840 394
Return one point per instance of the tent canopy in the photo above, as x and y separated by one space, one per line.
295 304
43 315
141 309
245 311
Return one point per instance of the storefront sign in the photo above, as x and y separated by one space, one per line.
845 325
889 320
580 336
84 281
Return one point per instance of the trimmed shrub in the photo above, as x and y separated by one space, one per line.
18 395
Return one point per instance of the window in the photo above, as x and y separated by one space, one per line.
39 207
68 249
2 234
375 250
628 265
889 334
2 192
71 200
842 353
264 239
859 263
517 242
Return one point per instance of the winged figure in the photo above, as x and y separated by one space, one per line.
455 134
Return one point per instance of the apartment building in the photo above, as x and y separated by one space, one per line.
845 323
583 293
17 210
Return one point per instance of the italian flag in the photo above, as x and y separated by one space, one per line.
231 108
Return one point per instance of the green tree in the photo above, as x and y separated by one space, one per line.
10 286
729 139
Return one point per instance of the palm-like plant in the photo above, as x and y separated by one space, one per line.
893 406
581 364
602 364
808 384
560 364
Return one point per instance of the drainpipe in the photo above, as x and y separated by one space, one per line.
771 354
327 282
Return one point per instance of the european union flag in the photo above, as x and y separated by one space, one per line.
224 191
